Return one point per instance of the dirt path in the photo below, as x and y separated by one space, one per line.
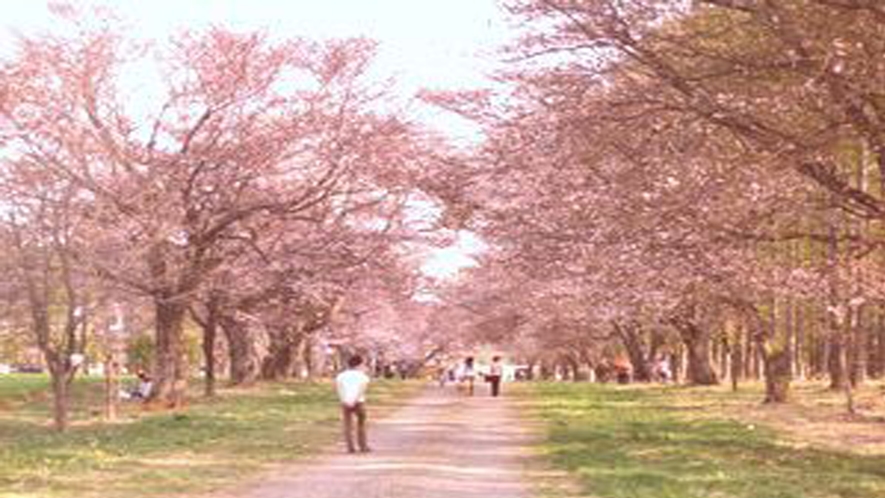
441 445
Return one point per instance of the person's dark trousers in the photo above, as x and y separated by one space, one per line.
348 413
495 381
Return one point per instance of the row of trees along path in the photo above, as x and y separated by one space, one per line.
263 186
696 179
440 445
703 179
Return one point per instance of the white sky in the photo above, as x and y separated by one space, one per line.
435 44
445 263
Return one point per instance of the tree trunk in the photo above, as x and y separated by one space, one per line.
734 349
857 350
753 357
61 373
680 360
171 368
736 364
61 400
837 318
777 375
788 309
574 366
631 337
591 372
279 358
282 354
873 369
210 333
846 386
822 355
307 357
699 371
799 368
545 372
299 369
835 364
111 387
245 364
880 335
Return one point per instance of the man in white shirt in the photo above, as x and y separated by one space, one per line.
496 372
351 385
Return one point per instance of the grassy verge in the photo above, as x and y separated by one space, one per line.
17 387
662 442
211 445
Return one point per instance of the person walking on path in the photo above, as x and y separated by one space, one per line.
496 371
468 374
352 385
437 444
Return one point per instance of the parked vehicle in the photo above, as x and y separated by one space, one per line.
27 368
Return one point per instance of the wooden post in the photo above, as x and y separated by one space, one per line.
111 386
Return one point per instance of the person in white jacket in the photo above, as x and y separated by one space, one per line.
352 385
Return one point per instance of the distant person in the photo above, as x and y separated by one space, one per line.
141 390
351 386
603 370
496 372
145 384
389 371
623 371
664 372
468 374
442 376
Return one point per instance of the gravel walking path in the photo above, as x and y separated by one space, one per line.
442 444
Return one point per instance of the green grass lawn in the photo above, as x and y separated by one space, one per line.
210 445
665 442
17 387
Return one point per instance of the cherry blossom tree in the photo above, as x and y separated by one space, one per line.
247 131
709 98
41 239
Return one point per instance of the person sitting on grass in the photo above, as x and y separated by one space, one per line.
142 388
145 383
